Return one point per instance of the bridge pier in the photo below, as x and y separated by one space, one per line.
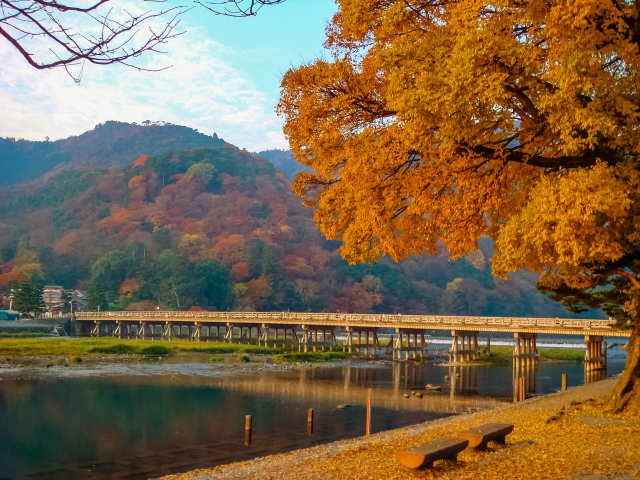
525 353
528 372
596 357
464 347
411 342
310 338
263 333
96 329
195 331
366 340
228 333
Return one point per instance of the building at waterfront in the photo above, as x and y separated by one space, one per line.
53 296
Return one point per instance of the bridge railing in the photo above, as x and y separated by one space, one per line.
349 318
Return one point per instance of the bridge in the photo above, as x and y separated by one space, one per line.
313 331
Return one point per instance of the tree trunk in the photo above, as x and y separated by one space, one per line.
627 392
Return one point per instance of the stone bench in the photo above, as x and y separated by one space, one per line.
491 432
424 455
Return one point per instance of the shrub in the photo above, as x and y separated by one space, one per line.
212 350
258 350
117 348
156 350
216 359
313 356
76 359
244 358
337 355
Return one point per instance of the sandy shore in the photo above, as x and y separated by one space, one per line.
583 443
61 366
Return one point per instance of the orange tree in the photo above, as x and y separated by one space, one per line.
436 122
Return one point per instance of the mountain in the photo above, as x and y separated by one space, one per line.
110 143
219 228
284 160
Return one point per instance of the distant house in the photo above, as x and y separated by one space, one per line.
9 315
52 296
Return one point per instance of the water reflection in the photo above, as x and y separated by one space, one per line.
141 427
528 372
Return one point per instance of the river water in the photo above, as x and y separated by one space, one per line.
145 426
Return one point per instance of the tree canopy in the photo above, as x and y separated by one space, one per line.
437 123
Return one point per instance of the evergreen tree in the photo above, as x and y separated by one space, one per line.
96 298
66 297
28 298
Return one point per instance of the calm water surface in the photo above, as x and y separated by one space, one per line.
137 427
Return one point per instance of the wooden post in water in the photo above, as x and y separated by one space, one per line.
564 382
247 430
310 421
368 426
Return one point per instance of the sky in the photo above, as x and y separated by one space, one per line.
224 78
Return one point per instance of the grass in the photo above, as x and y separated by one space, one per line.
499 356
313 356
244 358
24 332
109 345
562 354
503 355
216 359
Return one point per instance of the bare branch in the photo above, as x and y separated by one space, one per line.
48 34
237 8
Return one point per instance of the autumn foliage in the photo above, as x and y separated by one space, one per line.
438 123
175 233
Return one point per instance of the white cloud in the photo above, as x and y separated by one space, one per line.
200 91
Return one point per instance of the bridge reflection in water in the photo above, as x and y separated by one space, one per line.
463 388
318 386
174 423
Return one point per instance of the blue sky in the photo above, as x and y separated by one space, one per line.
224 78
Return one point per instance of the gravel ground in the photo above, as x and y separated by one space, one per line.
582 442
61 366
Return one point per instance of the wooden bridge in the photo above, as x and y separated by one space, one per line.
316 331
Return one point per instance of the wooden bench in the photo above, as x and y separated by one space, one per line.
490 432
424 455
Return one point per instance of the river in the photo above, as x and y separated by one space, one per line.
134 426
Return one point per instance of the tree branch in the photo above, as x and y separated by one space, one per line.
629 276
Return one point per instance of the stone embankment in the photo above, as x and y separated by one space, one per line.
566 435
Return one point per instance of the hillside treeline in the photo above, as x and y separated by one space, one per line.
220 229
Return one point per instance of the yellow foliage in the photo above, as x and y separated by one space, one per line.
574 221
436 123
193 246
453 285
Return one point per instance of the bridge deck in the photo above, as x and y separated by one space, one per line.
557 326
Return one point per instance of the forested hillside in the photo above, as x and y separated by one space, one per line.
111 143
284 160
219 228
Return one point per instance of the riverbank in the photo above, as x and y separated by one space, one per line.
504 355
95 346
584 442
109 345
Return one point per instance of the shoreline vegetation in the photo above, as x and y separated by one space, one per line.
546 428
113 346
313 357
116 346
503 355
